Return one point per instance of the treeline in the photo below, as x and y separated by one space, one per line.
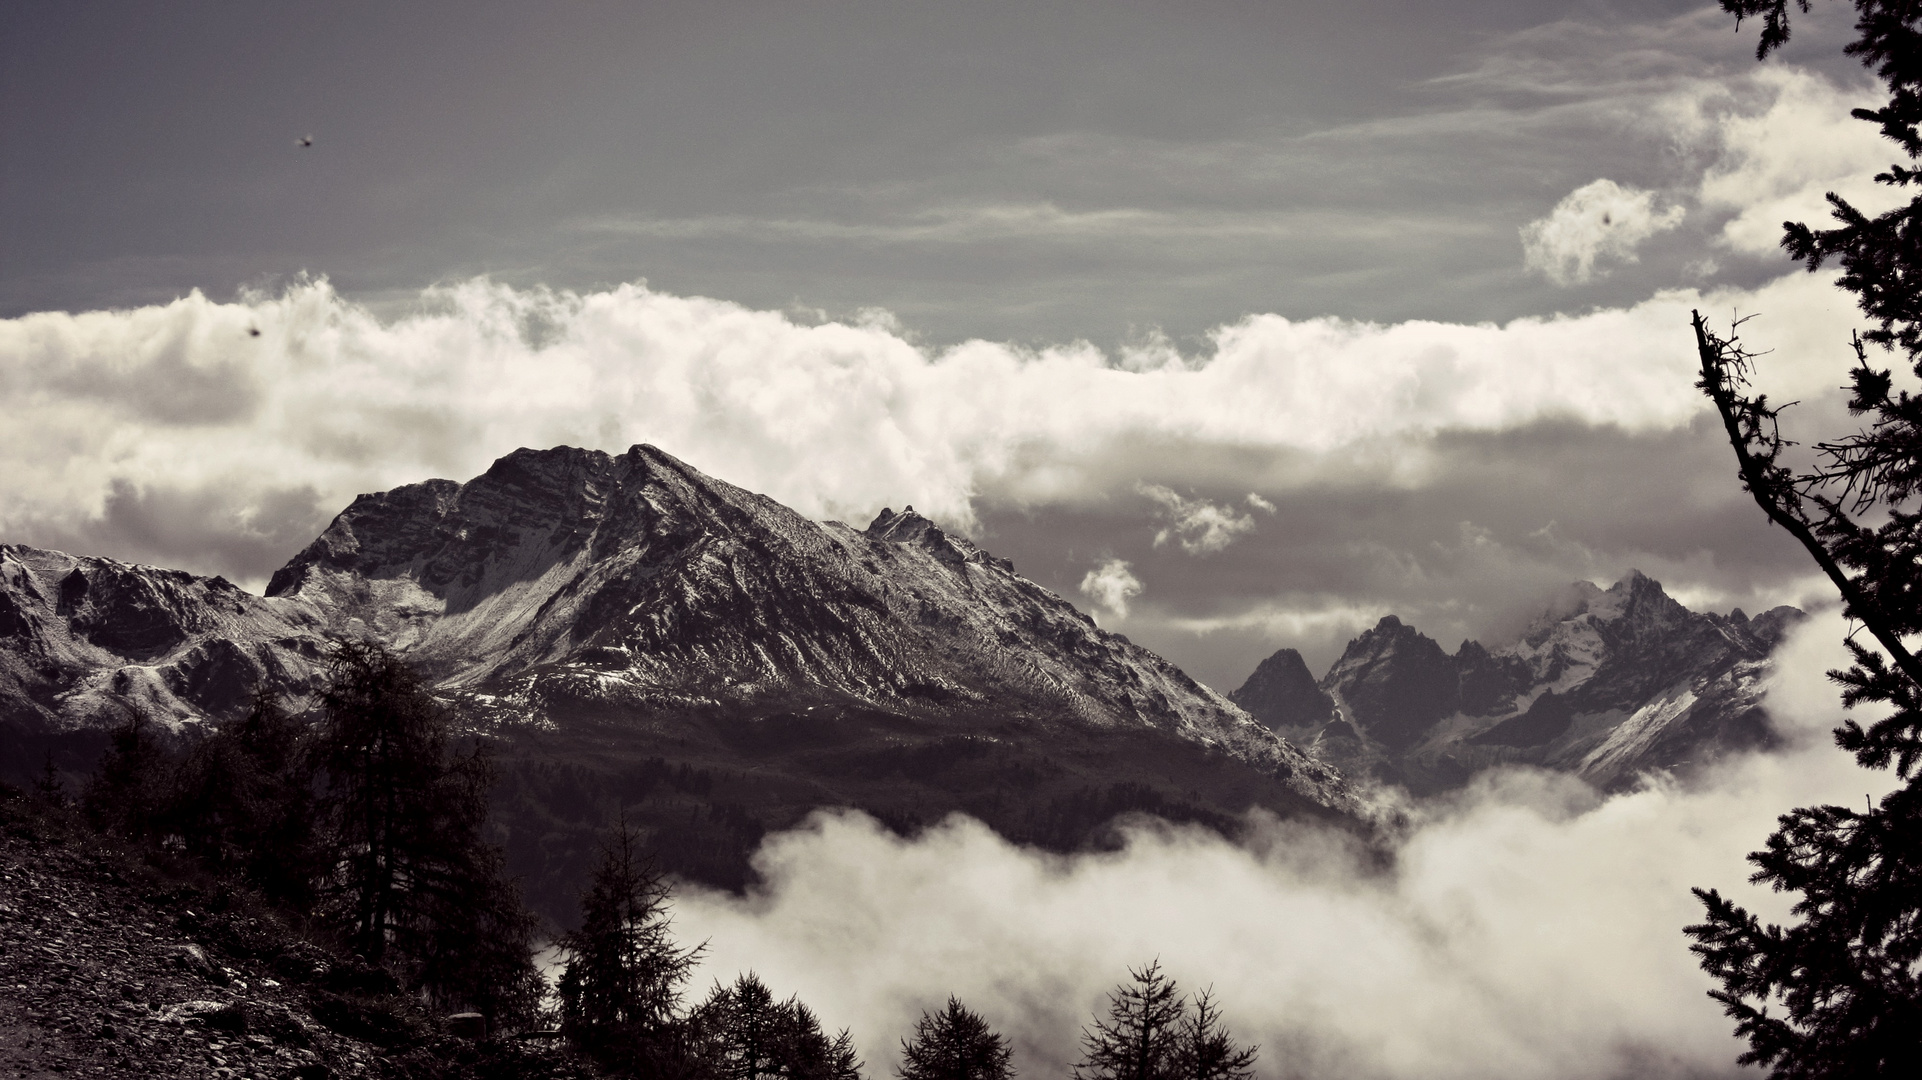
364 822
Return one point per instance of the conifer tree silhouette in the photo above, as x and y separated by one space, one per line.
954 1044
1141 1037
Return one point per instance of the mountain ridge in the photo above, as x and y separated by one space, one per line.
1606 684
649 642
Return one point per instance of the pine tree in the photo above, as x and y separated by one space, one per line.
1846 975
127 793
954 1044
412 885
744 1034
1205 1050
620 989
1141 1037
243 802
48 787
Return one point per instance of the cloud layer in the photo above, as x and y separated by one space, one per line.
1529 929
119 415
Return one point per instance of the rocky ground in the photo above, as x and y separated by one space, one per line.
111 967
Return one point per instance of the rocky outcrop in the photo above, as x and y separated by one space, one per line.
1607 684
1282 693
82 640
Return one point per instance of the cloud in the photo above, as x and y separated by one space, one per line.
834 419
1528 928
1599 220
1199 526
1111 584
1780 158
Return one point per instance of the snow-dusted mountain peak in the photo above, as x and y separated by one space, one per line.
570 581
1606 683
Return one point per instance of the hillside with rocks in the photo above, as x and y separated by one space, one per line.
1607 685
109 967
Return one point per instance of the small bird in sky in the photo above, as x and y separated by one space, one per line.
304 141
253 331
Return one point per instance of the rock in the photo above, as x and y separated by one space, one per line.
1282 694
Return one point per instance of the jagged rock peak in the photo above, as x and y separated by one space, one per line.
910 527
900 528
1393 682
442 533
1281 693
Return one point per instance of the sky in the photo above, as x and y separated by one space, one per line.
1238 324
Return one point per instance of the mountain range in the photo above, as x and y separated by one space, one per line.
1606 684
641 640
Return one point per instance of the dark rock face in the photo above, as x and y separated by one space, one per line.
1395 683
1487 685
1281 693
1607 684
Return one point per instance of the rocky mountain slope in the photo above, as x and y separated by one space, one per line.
1607 684
636 619
108 968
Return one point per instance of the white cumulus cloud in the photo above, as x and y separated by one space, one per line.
172 433
1779 161
1597 222
1111 584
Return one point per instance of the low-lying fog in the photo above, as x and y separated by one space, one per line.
1527 929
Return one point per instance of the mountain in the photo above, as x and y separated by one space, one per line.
645 639
1606 684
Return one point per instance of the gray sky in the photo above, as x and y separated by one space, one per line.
1186 187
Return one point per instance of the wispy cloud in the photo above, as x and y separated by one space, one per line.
1200 527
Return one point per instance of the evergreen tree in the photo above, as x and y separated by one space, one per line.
1846 975
1205 1050
127 793
744 1034
954 1044
620 990
412 885
48 787
243 803
1141 1037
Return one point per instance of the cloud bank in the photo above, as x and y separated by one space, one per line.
1527 929
176 433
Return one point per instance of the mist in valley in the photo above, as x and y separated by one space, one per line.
1525 927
